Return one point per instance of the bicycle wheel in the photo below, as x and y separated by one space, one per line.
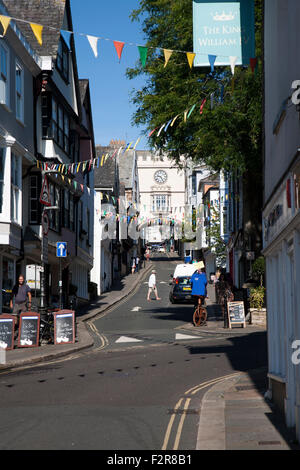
199 317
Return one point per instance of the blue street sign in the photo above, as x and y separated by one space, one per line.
61 249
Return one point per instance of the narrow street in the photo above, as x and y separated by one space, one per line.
139 388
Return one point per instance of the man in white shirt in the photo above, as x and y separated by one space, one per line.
152 286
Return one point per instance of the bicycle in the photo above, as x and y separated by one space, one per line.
47 327
200 313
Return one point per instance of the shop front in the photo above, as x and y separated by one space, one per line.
281 239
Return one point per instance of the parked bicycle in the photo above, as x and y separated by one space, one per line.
47 327
200 313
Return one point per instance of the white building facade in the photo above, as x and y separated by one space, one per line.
162 196
281 214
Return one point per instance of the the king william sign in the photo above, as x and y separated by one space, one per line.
223 29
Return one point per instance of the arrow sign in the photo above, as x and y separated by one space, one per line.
61 249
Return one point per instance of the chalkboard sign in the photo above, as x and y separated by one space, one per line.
29 330
236 313
64 327
7 329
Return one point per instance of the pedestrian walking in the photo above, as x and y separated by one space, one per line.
137 261
224 292
133 265
147 254
20 299
152 286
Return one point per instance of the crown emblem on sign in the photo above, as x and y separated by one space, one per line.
224 17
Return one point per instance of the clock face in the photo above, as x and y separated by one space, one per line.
160 176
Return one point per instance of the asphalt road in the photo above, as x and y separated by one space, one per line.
140 388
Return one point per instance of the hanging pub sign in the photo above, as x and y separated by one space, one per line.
224 32
7 328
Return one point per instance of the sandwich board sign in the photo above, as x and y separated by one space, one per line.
236 314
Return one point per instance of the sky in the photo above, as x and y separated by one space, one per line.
110 89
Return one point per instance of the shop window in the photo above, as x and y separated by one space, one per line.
8 276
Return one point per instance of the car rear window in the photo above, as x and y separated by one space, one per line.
184 281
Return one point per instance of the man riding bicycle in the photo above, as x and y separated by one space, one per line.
199 287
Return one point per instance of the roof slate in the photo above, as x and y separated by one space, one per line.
105 176
126 163
49 13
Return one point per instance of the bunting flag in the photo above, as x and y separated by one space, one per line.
66 37
232 61
191 110
172 124
5 20
212 59
119 48
37 31
93 40
253 64
119 45
150 134
185 115
190 57
143 54
165 129
159 132
136 143
167 54
202 106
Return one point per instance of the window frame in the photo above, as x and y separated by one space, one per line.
16 188
37 220
62 60
5 78
19 97
56 124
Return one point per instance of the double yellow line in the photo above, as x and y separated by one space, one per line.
191 391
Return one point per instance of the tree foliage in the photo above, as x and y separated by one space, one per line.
229 136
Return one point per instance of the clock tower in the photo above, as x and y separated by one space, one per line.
162 194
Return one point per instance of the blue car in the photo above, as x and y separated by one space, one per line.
181 290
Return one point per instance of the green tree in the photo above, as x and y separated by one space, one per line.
229 136
215 241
